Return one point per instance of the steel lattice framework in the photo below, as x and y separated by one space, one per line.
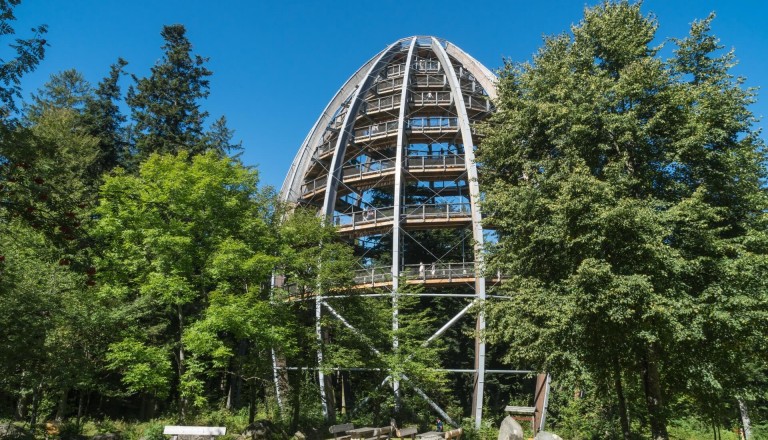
391 159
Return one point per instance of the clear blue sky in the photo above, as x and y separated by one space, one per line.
277 64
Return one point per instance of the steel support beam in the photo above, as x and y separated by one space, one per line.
291 189
477 228
347 127
398 194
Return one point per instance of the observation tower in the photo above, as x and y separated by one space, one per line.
390 162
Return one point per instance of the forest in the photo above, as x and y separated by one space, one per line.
627 192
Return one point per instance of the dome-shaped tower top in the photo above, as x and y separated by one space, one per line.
386 71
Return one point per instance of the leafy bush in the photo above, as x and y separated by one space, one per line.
153 431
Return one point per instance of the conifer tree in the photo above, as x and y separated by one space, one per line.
626 191
166 105
103 120
64 90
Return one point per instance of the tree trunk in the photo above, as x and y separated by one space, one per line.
237 395
227 382
623 417
345 397
35 407
80 402
21 407
295 398
23 402
143 407
653 398
745 423
61 410
252 404
330 391
151 409
235 382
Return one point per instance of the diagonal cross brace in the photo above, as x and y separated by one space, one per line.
436 335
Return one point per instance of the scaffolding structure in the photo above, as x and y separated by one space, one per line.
391 159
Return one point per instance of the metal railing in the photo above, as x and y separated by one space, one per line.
388 84
437 211
477 102
434 271
368 217
373 275
385 103
441 271
372 167
315 185
438 271
375 216
432 98
415 163
433 122
395 70
426 65
326 147
429 80
469 84
382 128
379 167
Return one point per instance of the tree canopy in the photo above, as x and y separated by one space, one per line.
627 193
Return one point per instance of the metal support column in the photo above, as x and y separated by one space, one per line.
334 177
477 229
398 195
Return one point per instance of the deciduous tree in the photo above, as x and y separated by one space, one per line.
184 240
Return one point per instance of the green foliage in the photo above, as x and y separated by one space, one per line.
103 120
186 241
586 418
65 90
153 431
626 191
487 430
166 105
413 360
144 368
690 428
28 54
311 255
162 290
45 179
